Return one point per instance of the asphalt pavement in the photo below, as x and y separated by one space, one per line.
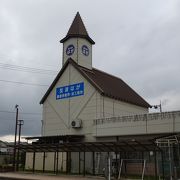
28 176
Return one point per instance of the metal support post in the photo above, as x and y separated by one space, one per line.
57 162
54 162
34 157
162 158
79 162
84 171
170 160
109 167
120 169
155 160
44 160
143 171
125 164
93 163
67 162
116 165
143 165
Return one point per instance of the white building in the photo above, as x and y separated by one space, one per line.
81 93
84 105
3 147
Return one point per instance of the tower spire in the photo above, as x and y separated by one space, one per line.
77 29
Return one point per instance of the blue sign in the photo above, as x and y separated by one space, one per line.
70 91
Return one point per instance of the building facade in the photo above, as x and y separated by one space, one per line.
83 102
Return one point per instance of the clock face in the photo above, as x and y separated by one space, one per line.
85 50
70 50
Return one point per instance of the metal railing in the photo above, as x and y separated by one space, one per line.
141 117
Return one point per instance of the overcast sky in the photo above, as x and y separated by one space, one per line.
138 41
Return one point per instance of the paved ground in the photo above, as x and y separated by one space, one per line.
28 176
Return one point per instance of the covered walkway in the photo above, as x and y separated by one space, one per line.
121 148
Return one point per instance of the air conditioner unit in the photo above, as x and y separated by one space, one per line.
76 123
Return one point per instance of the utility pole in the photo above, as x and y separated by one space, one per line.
14 156
160 107
20 123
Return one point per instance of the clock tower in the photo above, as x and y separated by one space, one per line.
77 44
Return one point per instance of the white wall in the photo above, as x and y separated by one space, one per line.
112 107
29 161
85 61
3 149
49 161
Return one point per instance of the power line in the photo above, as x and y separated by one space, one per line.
23 83
7 111
11 119
5 56
13 112
28 113
27 69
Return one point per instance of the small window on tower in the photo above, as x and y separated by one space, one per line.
70 50
85 50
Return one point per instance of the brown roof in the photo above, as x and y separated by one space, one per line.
106 84
77 29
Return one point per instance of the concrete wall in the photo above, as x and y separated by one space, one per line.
155 123
49 161
77 162
29 161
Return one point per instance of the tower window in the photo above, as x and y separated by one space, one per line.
70 50
85 50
